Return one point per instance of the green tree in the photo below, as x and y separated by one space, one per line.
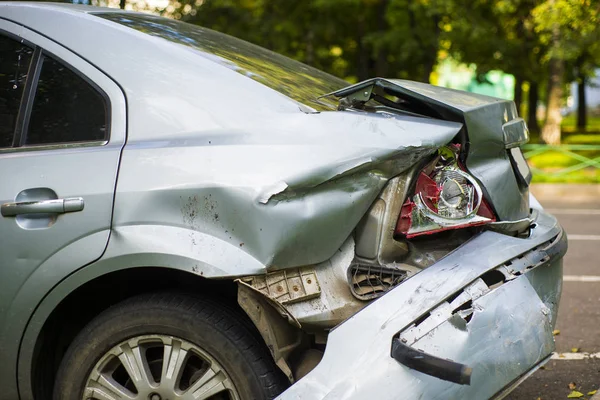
581 65
538 41
564 25
354 39
496 34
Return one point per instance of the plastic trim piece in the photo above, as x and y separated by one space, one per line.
426 363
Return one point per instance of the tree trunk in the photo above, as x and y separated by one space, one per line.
431 58
381 65
551 129
532 102
362 54
581 103
518 94
122 4
310 48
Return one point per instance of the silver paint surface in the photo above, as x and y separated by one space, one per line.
224 177
510 332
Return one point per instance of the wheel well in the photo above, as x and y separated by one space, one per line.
95 296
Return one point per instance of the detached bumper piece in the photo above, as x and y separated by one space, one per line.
470 326
426 363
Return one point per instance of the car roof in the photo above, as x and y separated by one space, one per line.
168 86
58 21
151 35
65 7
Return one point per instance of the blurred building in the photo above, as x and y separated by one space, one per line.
451 74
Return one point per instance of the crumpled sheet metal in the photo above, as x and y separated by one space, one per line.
287 193
484 118
509 333
518 319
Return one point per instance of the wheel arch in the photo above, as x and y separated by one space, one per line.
52 328
143 250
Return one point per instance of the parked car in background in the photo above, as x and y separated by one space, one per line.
189 216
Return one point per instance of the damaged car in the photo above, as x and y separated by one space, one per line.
188 216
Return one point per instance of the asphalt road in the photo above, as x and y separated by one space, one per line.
579 312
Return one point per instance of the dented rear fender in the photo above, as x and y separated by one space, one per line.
286 192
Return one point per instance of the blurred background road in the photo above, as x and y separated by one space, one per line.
578 343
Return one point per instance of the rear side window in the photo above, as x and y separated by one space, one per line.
15 59
66 108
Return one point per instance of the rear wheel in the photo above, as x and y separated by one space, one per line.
168 346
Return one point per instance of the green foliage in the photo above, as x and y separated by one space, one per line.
583 139
354 39
560 166
498 35
569 125
588 175
358 39
555 160
577 21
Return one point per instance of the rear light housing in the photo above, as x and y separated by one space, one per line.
445 197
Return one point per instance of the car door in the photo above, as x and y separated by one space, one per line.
62 128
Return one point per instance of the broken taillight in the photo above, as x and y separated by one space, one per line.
445 197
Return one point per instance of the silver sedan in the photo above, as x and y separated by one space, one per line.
185 215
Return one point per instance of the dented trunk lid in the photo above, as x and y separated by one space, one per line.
491 136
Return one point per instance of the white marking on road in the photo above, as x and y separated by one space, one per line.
574 356
573 211
581 278
574 236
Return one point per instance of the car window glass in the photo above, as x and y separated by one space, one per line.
15 58
66 108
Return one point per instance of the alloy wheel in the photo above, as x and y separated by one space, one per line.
158 367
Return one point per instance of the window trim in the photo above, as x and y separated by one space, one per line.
61 146
31 69
26 105
27 100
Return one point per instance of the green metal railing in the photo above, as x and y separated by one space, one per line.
573 151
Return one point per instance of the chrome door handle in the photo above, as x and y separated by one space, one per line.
54 206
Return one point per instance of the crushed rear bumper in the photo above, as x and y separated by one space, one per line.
490 305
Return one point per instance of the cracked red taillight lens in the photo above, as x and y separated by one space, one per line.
445 197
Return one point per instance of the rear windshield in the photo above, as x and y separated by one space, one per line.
292 78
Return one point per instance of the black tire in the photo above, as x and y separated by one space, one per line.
219 330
